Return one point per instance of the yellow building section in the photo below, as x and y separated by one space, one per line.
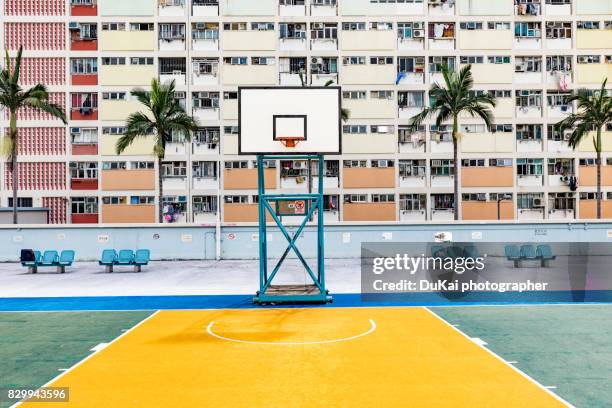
371 108
142 146
368 40
341 357
593 39
486 40
127 41
593 73
119 110
492 73
369 143
586 144
128 75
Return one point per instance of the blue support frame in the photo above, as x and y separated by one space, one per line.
317 292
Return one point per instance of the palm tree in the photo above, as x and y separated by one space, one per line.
164 115
13 98
448 102
594 112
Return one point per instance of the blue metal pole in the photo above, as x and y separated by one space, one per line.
320 226
263 250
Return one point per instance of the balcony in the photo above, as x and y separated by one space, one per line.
291 8
246 179
84 8
84 149
293 43
326 8
205 36
441 36
205 141
204 209
172 37
369 212
441 7
442 214
559 9
171 8
84 113
204 8
173 69
361 177
84 141
411 142
530 180
526 214
128 180
83 37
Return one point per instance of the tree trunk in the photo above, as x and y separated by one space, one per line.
160 209
456 167
598 148
13 138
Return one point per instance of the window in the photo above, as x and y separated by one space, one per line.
142 60
354 94
235 26
205 100
383 198
442 167
528 30
114 96
411 99
83 66
412 202
528 132
472 59
561 201
142 27
382 129
353 61
478 128
411 64
83 170
530 201
84 101
592 196
500 196
474 197
560 63
242 164
293 65
324 65
137 200
382 163
84 205
262 26
113 61
498 25
236 199
291 2
356 198
114 165
84 135
172 66
561 167
528 98
230 130
500 59
558 29
587 162
292 31
207 135
528 64
412 168
437 63
473 163
347 164
502 128
174 169
558 2
324 31
381 95
558 99
500 162
353 26
355 129
206 66
407 135
410 30
171 32
501 94
587 25
115 130
204 169
589 59
470 25
529 167
442 31
381 26
204 204
113 26
22 202
442 133
205 31
555 133
142 165
263 61
442 202
381 60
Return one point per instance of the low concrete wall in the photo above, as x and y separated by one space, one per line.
241 242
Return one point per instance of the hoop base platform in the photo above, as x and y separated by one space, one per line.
292 294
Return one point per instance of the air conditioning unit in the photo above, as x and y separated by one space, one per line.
73 25
299 165
200 26
520 68
317 26
418 33
583 59
418 26
315 60
299 27
383 163
75 131
538 203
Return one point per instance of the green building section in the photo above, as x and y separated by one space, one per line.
34 346
567 346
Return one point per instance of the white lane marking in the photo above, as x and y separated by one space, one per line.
551 387
291 343
504 361
99 347
479 341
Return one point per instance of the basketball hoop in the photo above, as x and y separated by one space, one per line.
289 141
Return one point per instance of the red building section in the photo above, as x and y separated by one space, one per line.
34 7
84 79
42 141
57 209
84 149
83 10
41 176
35 36
35 114
47 71
84 218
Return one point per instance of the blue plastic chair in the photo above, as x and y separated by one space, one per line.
528 253
126 257
66 259
545 254
49 258
141 258
470 251
455 252
108 258
438 251
513 254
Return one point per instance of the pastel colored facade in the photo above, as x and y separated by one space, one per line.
384 55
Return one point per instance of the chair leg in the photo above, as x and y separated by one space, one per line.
516 263
32 269
108 268
136 268
61 269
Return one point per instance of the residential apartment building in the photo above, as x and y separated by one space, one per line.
385 54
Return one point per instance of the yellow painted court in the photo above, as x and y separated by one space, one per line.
321 357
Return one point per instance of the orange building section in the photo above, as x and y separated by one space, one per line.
588 209
83 10
369 178
486 210
238 212
487 177
81 45
79 114
369 212
246 179
118 180
587 176
84 184
128 214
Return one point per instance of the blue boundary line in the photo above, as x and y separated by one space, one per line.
100 303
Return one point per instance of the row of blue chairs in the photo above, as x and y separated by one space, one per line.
468 251
542 253
50 258
125 257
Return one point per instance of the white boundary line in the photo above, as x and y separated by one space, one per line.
291 343
547 390
57 377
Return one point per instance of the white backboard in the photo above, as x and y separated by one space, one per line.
268 114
